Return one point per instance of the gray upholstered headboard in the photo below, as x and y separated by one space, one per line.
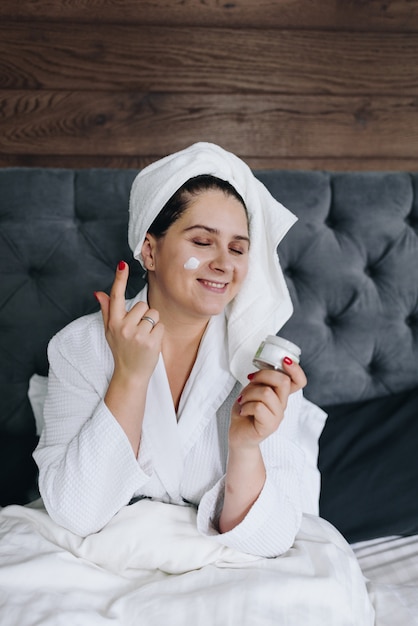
351 263
352 267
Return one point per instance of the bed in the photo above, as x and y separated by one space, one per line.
351 264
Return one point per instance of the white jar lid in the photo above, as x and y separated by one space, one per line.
284 343
273 350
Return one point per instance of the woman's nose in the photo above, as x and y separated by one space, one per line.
222 261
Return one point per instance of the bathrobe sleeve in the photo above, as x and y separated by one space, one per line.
87 468
270 527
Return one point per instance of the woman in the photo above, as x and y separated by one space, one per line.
157 397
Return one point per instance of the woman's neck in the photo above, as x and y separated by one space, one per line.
182 336
179 351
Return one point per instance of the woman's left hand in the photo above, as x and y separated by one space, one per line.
260 408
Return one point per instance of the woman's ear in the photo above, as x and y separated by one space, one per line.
147 251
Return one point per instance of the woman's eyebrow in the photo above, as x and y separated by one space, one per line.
215 231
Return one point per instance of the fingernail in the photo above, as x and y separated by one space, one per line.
121 265
239 399
95 295
287 360
250 376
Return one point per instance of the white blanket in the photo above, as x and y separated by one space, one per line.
150 567
391 567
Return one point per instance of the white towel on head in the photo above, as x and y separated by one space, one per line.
263 304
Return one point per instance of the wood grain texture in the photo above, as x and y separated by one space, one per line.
206 60
132 124
81 161
352 15
289 83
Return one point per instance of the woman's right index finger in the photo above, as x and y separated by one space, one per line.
117 308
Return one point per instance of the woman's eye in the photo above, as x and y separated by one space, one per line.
201 243
237 250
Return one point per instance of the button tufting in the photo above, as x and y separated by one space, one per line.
371 368
330 320
411 320
330 221
33 273
411 220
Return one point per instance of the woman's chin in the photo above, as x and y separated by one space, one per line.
210 311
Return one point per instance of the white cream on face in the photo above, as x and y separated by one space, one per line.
192 263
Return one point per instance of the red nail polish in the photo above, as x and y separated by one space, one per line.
250 376
95 295
239 399
287 360
121 265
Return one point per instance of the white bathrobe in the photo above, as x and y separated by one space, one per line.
88 470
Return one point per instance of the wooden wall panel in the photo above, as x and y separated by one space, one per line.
351 15
125 123
118 83
75 57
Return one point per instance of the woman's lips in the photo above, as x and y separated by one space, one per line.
213 285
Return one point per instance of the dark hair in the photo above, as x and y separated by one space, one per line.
180 200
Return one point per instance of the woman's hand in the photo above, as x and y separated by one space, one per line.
259 410
256 414
135 343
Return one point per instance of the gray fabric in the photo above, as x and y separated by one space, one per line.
352 268
369 467
61 236
351 263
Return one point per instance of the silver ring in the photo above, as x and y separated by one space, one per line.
149 319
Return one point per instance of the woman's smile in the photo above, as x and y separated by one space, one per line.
214 286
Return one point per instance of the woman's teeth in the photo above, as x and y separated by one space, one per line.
214 285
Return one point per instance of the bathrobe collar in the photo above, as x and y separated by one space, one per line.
170 436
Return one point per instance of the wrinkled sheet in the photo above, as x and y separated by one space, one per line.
149 566
390 565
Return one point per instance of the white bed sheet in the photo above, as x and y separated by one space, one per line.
390 565
150 567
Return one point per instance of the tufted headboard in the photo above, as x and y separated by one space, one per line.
351 264
352 267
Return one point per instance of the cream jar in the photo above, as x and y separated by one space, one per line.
272 351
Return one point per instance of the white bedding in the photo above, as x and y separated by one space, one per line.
150 567
391 567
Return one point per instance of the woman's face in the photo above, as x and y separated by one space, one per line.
199 265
